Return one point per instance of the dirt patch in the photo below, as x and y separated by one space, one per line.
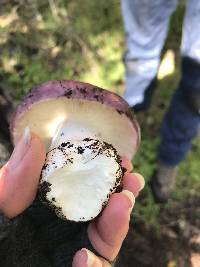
175 244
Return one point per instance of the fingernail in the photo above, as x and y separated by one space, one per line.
131 197
92 260
20 149
140 179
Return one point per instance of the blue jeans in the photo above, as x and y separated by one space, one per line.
146 25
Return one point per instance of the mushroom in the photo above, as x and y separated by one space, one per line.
86 130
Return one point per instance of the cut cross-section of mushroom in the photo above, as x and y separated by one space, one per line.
69 112
81 175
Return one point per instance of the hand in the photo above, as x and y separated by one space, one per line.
19 180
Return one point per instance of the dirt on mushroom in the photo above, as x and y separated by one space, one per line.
81 126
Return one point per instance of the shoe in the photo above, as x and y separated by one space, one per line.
163 182
147 97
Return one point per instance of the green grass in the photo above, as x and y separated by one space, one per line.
87 39
84 40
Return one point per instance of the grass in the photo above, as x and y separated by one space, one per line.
72 40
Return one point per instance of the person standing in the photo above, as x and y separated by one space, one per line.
146 26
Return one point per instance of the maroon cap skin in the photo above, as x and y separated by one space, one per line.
73 90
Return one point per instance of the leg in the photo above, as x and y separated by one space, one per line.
146 24
191 41
179 127
182 119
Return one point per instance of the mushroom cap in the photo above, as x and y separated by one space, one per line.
104 113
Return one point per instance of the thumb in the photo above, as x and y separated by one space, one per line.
20 176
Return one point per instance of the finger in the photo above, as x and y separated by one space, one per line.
127 164
108 231
133 182
19 178
85 258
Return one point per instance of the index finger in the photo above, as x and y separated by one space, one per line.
127 164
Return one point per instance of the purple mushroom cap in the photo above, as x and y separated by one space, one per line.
78 92
86 130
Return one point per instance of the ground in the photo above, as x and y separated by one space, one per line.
43 40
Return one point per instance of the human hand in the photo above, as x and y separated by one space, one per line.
18 187
19 178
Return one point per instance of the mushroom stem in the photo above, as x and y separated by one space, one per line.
79 177
70 131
